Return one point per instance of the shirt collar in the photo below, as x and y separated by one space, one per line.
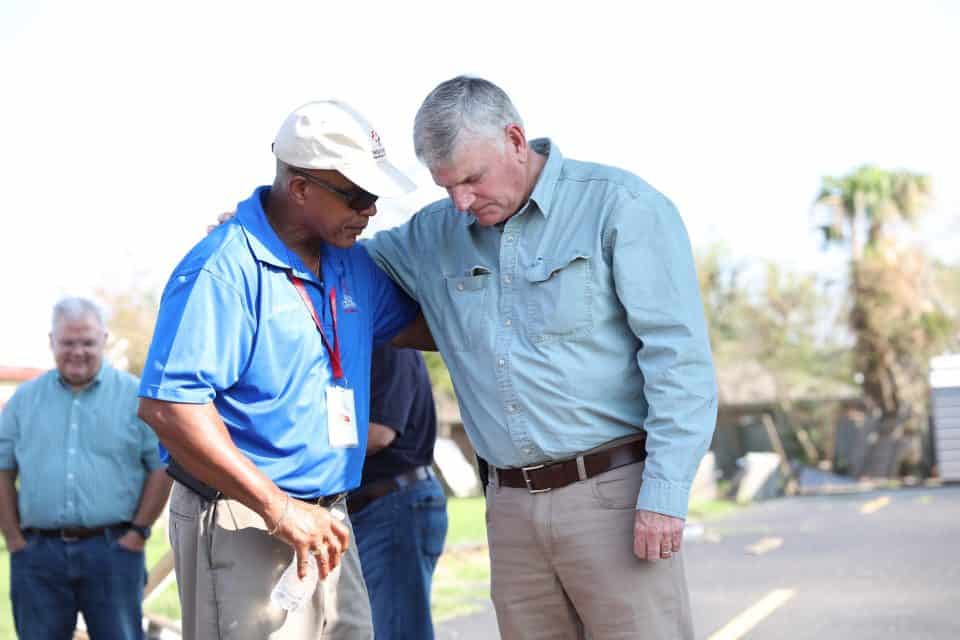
97 379
542 194
547 181
264 242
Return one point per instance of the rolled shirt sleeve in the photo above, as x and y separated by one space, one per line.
9 429
656 281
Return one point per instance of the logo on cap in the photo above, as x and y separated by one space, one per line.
378 151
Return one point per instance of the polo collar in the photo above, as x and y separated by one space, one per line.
264 242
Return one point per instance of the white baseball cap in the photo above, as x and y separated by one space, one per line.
329 134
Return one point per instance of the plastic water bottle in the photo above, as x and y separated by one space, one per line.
290 591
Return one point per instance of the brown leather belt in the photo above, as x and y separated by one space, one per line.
325 501
544 477
73 534
366 494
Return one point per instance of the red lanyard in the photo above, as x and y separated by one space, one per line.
334 353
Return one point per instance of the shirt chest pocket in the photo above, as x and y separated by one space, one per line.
468 297
559 298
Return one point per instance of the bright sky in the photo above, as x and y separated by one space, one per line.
128 126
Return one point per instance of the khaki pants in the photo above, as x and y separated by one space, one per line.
227 565
562 565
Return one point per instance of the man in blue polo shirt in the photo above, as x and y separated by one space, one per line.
268 313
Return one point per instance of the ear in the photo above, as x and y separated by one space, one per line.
517 142
297 188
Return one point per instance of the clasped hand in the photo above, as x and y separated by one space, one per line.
313 530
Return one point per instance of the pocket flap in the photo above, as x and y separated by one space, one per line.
467 283
543 270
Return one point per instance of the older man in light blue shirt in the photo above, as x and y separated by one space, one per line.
91 484
564 299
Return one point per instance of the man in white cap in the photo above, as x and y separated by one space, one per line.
268 313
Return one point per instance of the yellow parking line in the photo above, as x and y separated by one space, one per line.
747 620
874 505
764 545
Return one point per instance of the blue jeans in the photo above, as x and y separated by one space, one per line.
51 580
400 537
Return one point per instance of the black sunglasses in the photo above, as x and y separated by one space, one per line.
358 199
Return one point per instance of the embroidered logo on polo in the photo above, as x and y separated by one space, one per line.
349 306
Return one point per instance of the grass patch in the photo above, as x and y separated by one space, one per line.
6 611
467 524
461 584
167 602
711 509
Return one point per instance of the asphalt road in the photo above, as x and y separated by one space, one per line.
882 565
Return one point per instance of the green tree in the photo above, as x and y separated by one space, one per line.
895 321
131 316
774 339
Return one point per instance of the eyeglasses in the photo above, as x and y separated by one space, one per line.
357 198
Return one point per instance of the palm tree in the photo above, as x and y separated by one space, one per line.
890 315
870 199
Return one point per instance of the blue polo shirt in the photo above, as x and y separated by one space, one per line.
233 330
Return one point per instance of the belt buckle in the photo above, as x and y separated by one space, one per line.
66 538
328 501
526 478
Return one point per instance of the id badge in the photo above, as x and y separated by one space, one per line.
341 417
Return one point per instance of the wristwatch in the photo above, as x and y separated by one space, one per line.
143 531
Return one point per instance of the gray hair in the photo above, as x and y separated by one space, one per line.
74 308
459 108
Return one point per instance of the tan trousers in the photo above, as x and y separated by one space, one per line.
562 565
227 565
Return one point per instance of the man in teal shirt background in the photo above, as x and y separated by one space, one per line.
91 485
563 297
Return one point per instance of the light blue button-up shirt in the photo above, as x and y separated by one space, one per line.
575 323
82 456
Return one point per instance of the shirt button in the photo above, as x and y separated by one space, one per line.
507 322
73 426
69 503
69 476
512 408
501 362
460 286
507 279
72 451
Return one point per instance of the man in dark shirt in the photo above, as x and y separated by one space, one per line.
399 512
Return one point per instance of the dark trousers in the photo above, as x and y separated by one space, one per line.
400 538
52 580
